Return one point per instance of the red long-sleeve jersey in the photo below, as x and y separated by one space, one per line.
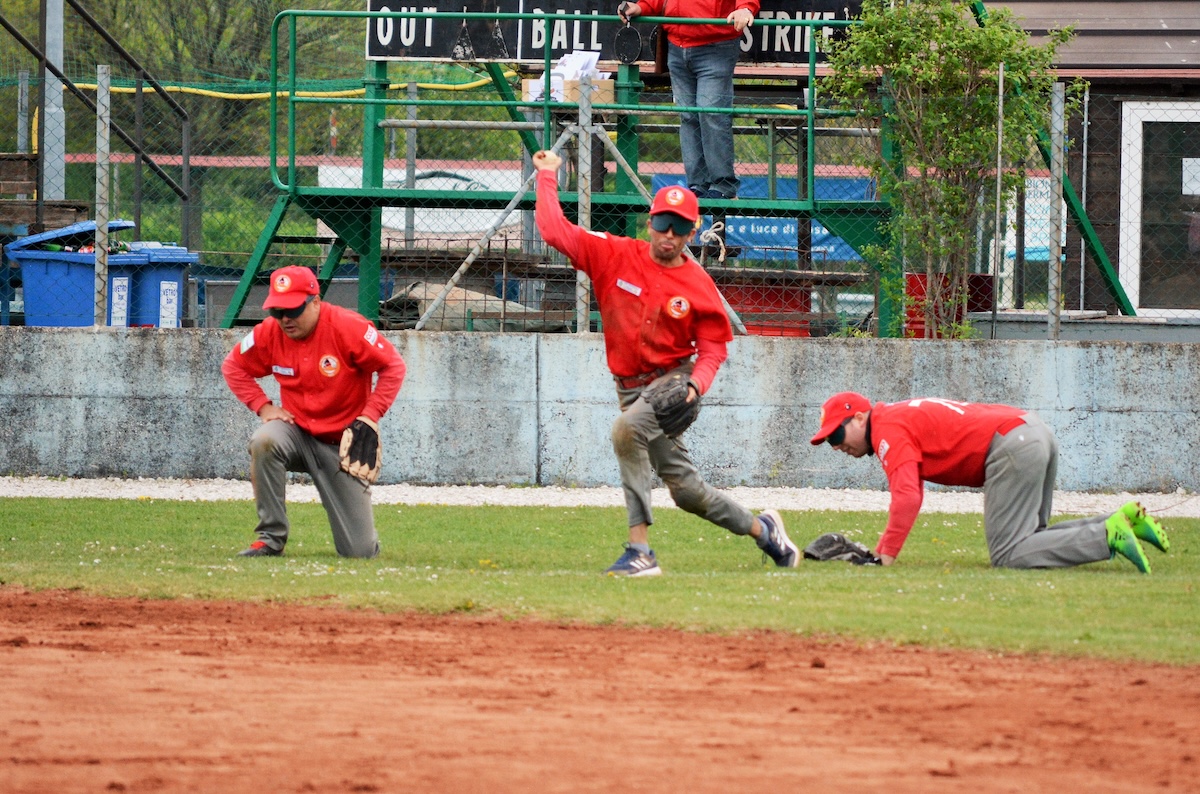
324 379
654 316
935 440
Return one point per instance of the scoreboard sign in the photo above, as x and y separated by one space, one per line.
521 40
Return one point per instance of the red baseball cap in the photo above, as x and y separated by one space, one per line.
677 200
290 287
838 409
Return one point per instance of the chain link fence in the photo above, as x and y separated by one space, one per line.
1130 158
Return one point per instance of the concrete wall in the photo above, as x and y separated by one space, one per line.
518 408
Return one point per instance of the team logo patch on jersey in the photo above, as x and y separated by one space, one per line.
282 283
287 371
678 307
329 365
371 335
247 342
883 451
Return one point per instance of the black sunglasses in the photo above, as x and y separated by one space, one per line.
291 314
839 433
669 220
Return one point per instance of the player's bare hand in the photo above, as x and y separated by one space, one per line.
272 411
627 11
740 19
546 160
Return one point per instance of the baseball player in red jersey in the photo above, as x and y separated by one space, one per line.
662 316
324 358
1009 452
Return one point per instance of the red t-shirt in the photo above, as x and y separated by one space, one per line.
935 440
697 35
324 379
653 316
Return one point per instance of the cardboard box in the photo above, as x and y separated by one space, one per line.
603 91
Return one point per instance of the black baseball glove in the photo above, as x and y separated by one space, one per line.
668 398
832 546
361 453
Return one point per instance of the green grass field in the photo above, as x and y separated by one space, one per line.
546 563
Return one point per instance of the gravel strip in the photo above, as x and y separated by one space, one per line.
1180 503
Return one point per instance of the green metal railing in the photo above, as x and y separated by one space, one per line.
354 213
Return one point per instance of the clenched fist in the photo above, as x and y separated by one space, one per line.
546 160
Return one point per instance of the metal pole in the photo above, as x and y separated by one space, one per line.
410 167
103 110
1057 141
23 115
583 287
54 119
997 236
1087 96
139 135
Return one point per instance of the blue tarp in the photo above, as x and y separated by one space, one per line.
775 238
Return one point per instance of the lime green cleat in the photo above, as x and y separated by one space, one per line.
1145 527
1122 540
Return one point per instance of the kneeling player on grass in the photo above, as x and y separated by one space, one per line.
1009 452
665 331
324 358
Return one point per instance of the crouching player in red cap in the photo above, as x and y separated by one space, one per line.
663 319
1009 452
324 358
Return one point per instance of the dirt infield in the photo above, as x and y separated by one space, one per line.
125 695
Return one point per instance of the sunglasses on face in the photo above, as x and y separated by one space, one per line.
839 433
667 220
290 314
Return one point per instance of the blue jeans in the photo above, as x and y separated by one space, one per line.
702 77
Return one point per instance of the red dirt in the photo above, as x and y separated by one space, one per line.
127 695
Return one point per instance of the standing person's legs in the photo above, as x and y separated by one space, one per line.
642 450
713 65
630 432
1018 492
683 90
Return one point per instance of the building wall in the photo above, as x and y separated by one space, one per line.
536 409
1118 33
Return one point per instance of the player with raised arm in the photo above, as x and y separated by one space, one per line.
665 335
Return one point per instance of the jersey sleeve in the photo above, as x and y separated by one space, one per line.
242 368
556 230
710 355
904 482
375 354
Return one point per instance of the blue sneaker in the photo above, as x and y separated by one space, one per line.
634 563
774 540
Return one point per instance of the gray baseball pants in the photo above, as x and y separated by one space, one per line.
642 450
276 448
1018 492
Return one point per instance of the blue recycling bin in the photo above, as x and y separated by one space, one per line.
145 284
157 295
